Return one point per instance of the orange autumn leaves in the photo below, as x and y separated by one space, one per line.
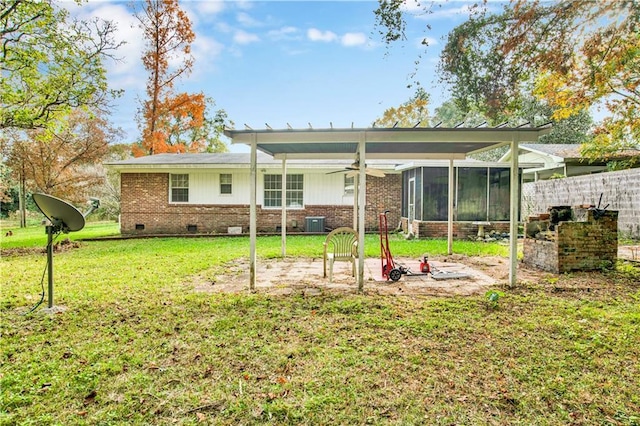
169 121
175 129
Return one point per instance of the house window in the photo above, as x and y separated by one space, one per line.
273 190
472 193
435 193
180 188
499 194
225 183
349 185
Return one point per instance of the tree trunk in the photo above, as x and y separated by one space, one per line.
21 200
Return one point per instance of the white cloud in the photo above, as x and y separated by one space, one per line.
223 27
243 37
422 10
353 39
246 20
315 34
209 7
127 72
203 11
430 41
206 51
284 33
295 52
412 6
244 4
464 11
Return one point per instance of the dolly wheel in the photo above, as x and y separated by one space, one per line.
395 274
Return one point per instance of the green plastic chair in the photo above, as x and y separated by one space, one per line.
341 245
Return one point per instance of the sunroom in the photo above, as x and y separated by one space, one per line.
480 199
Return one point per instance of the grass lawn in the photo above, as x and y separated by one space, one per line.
137 345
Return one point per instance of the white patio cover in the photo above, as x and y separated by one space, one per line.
384 143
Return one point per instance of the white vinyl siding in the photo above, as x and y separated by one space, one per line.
319 188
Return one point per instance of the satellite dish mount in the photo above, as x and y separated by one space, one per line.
63 218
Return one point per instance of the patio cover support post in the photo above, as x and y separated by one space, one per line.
356 182
450 211
283 223
252 214
362 202
513 217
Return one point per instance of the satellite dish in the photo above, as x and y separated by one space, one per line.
64 218
59 212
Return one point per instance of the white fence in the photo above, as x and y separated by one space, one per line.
620 191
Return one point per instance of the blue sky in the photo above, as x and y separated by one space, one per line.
280 62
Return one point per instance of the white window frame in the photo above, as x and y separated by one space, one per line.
349 185
273 195
229 183
173 185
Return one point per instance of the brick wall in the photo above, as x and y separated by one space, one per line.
383 194
621 191
145 201
576 246
461 230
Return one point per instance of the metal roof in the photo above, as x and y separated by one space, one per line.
384 143
242 160
571 150
234 160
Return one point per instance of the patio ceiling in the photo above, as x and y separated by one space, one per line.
383 143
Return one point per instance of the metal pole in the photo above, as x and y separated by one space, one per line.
253 216
21 199
49 229
356 182
450 211
283 221
513 216
362 202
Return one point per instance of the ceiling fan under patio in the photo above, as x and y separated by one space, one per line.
354 169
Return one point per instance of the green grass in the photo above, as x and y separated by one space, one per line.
35 236
137 345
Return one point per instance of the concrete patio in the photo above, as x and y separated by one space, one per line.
295 276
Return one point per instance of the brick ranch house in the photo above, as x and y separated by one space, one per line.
209 194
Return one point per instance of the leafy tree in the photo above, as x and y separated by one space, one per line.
50 64
574 54
108 190
8 191
473 65
61 161
413 113
574 129
586 53
170 122
449 114
212 129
